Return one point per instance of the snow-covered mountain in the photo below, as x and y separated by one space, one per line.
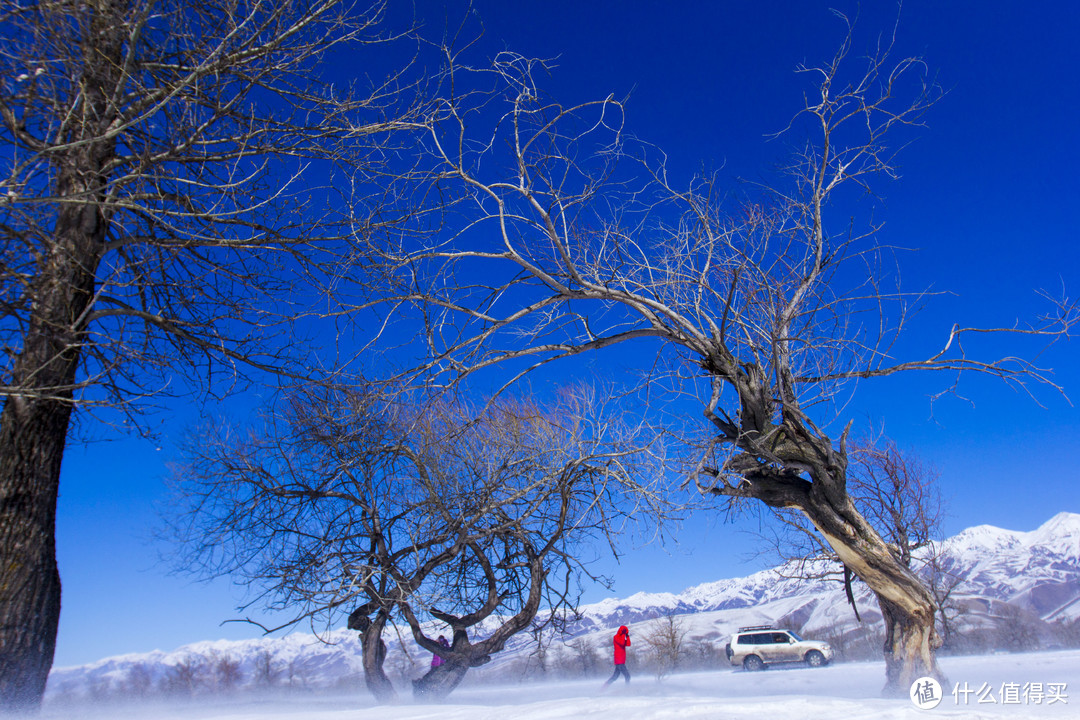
1037 572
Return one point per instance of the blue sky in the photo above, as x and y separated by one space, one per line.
987 200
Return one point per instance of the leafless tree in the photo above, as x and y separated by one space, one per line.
139 681
157 231
901 498
296 673
585 654
1068 631
1016 628
944 581
666 639
225 670
766 313
401 507
706 652
186 677
266 669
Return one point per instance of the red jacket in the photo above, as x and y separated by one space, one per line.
622 641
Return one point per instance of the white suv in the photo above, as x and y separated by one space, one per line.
756 647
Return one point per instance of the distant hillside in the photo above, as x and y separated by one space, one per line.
1008 582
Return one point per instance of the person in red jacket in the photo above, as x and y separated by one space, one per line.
622 641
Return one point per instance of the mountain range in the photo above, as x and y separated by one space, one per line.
998 576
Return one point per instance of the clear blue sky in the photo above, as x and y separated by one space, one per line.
988 195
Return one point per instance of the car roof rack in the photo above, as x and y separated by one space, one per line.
757 627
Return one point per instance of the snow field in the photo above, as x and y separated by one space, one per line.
848 691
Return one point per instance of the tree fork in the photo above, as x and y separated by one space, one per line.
440 681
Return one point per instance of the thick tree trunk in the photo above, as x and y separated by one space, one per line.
33 432
36 414
32 436
910 642
440 681
907 605
374 656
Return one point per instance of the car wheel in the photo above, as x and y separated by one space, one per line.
752 663
815 659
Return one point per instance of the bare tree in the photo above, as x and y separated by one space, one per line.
1017 629
666 639
901 498
266 669
397 506
186 677
705 652
765 313
1068 631
296 673
154 217
585 654
225 670
943 583
139 681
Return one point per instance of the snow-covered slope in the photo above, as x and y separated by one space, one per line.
1038 571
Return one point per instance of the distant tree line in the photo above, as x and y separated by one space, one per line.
211 674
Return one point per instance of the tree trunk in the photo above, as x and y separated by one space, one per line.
32 435
374 656
36 414
440 681
907 606
910 642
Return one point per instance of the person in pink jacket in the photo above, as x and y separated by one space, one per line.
436 661
621 641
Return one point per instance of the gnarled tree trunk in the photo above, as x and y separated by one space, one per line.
775 463
374 652
440 681
907 605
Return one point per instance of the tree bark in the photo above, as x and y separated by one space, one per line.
773 462
33 432
907 605
910 642
36 415
32 436
374 653
440 681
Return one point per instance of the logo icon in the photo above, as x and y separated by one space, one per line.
926 693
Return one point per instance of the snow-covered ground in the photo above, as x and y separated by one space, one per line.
1031 685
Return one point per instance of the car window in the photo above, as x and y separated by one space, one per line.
779 637
795 635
